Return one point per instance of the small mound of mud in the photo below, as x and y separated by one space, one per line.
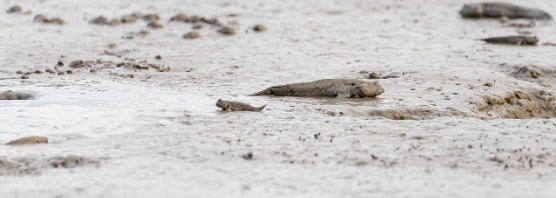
517 104
29 140
398 114
33 166
529 72
412 113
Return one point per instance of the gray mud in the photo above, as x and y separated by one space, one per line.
445 127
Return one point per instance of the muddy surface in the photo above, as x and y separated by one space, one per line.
459 117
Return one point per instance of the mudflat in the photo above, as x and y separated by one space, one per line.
129 108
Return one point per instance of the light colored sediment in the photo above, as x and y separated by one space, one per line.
159 134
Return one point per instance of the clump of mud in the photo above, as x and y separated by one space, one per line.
530 72
102 20
90 66
33 166
17 10
517 104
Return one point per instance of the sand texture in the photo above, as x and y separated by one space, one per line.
126 91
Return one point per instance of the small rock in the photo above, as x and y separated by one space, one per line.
76 64
115 22
192 35
39 72
158 57
24 77
41 19
180 18
210 21
194 19
94 70
151 17
112 45
14 9
489 84
248 156
128 19
227 31
50 71
143 33
197 26
19 72
155 25
58 21
61 73
374 75
259 28
129 76
101 20
69 72
60 63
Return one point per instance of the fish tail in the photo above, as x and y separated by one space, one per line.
263 92
260 108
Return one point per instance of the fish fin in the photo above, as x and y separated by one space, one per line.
343 95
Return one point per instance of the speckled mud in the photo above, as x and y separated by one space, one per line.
444 127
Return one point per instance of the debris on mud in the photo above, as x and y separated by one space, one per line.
380 74
43 19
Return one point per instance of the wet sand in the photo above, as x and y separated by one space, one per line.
159 134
